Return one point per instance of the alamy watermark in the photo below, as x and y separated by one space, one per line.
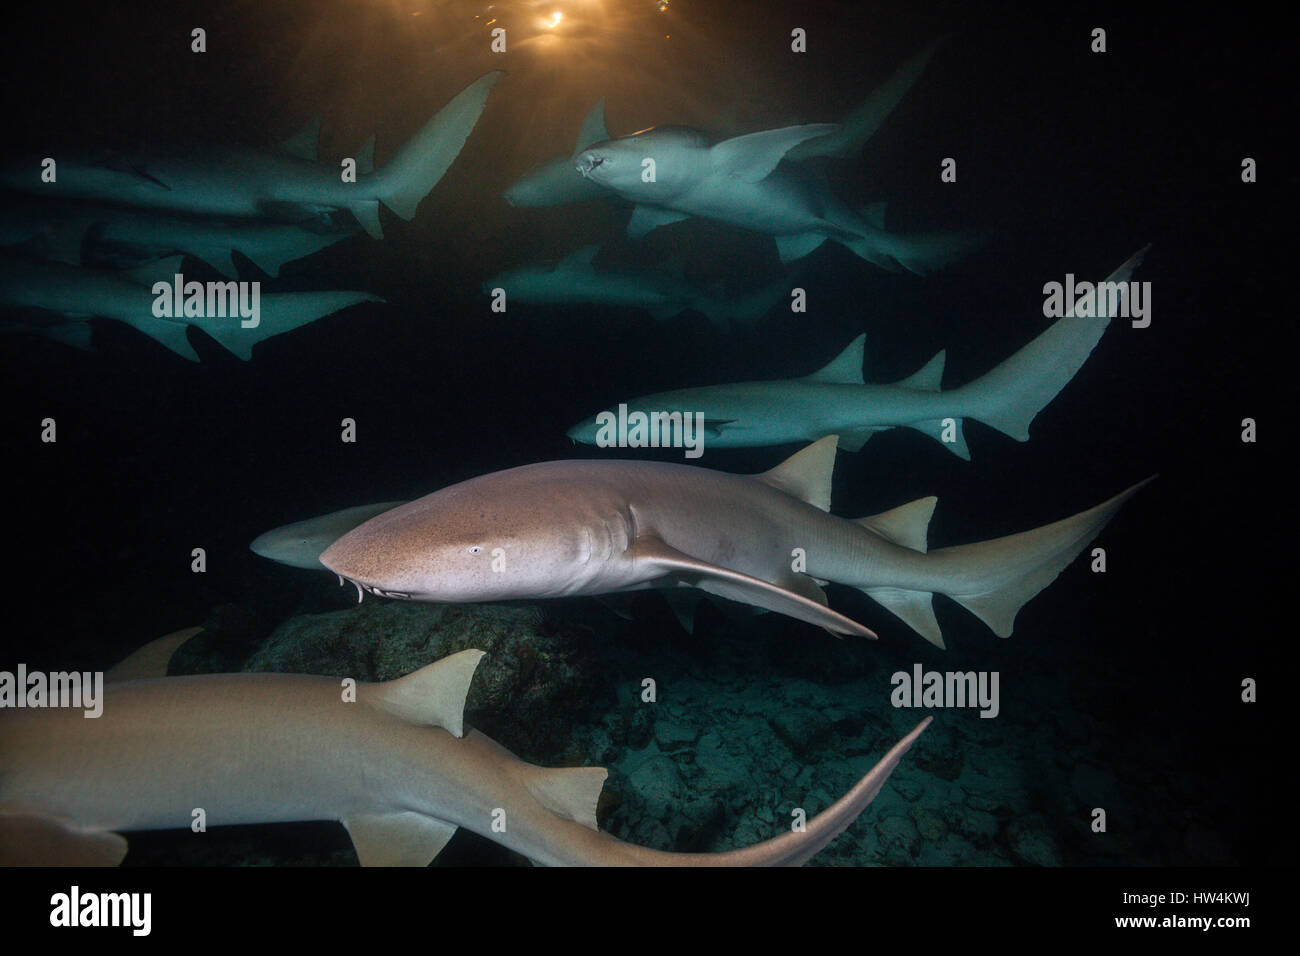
74 689
655 429
195 300
922 688
1092 300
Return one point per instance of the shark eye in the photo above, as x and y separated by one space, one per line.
475 548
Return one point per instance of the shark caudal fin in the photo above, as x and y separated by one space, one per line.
795 848
421 161
280 312
995 579
919 254
1010 396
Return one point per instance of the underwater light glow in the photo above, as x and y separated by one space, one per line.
556 17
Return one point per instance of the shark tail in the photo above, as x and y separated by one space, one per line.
283 312
796 847
1011 395
920 254
421 161
995 579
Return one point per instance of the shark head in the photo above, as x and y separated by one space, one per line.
300 544
657 162
507 535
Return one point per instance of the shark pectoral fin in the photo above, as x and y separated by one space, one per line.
646 219
736 586
367 214
914 608
806 474
433 695
151 660
33 840
797 246
845 368
403 838
752 158
615 604
852 439
571 793
908 525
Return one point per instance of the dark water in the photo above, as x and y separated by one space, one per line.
1072 160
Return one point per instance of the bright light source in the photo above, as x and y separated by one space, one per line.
556 17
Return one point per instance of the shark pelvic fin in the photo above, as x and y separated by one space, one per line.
752 158
571 793
405 838
646 219
151 660
806 474
914 608
34 840
845 368
790 248
737 586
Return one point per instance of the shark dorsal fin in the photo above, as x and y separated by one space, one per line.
433 696
579 259
752 157
366 157
806 474
908 525
928 376
404 838
571 793
845 368
593 127
304 143
150 661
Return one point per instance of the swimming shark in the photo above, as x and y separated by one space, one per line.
565 528
125 237
575 281
300 544
394 762
75 292
835 400
672 173
556 182
285 185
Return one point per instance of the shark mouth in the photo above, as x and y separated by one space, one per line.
363 589
587 163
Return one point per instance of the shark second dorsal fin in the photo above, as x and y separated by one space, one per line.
752 158
433 696
806 474
404 838
845 368
150 661
366 157
304 143
593 127
929 376
571 793
908 525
